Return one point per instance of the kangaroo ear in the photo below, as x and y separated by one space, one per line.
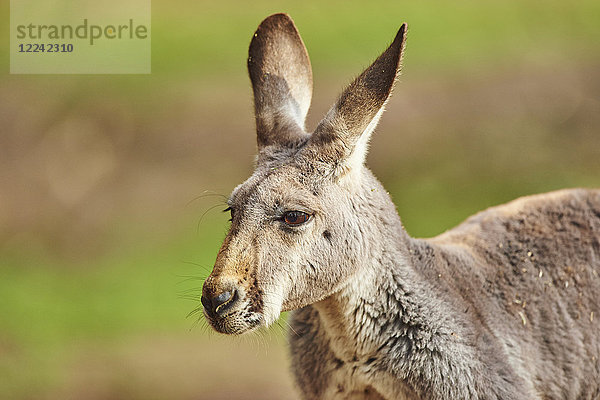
281 77
342 137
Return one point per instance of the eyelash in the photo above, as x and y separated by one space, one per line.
229 209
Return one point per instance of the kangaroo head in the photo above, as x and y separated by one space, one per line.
301 223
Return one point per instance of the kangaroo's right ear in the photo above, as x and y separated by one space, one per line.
341 138
281 77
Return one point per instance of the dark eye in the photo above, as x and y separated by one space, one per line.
295 217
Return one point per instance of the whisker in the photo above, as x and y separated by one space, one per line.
195 311
190 297
191 290
205 267
203 214
206 195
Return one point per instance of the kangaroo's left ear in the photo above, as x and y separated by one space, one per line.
342 137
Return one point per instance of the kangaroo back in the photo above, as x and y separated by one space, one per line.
532 278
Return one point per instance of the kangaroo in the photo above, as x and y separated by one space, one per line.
504 306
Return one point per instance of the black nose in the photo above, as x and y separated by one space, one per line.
219 305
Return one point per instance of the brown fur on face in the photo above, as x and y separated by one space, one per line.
286 267
504 306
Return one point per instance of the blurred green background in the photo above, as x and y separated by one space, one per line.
111 187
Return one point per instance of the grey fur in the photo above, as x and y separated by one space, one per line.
504 306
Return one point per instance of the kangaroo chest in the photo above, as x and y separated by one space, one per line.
356 372
355 379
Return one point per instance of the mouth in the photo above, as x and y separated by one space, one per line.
236 322
236 309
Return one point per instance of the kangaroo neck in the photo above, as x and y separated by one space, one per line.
354 316
387 286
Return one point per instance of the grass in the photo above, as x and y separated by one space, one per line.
51 306
204 40
442 34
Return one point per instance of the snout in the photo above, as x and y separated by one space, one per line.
228 306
